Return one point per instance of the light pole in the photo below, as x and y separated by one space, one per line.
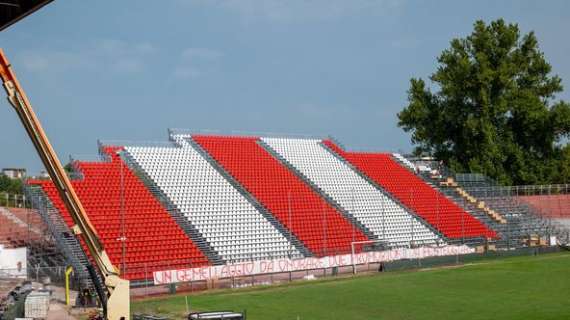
123 237
352 209
383 218
411 218
324 226
290 225
437 208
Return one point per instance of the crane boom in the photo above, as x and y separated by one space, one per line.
115 300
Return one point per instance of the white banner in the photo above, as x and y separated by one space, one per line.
288 265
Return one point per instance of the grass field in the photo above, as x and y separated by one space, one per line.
514 288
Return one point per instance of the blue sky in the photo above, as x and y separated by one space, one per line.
130 70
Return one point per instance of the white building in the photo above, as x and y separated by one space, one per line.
14 173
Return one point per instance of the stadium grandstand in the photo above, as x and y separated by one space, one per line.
200 200
108 237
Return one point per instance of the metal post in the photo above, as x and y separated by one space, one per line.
146 279
462 228
352 210
28 222
352 258
411 219
290 227
508 235
324 226
383 218
68 272
122 213
187 306
437 209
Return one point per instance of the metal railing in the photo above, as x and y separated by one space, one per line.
242 133
523 220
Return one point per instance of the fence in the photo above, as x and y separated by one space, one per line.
14 200
514 235
53 275
545 200
516 213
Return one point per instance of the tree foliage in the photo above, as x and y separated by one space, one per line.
11 186
494 111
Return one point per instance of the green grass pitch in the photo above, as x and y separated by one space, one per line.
531 287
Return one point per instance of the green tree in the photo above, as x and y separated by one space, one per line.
492 109
68 168
9 187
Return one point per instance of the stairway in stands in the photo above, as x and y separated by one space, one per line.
438 210
503 230
321 228
522 220
116 200
65 241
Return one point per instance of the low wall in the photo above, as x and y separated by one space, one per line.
288 265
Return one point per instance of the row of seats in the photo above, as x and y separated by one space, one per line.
17 228
376 211
405 161
416 194
116 200
551 206
233 227
304 213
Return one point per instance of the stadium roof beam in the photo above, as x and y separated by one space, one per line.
12 11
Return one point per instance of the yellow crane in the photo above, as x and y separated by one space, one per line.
113 292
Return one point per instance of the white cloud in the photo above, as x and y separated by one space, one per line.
406 43
128 65
201 53
186 72
115 47
50 60
196 62
292 10
106 54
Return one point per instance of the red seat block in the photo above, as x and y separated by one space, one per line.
116 200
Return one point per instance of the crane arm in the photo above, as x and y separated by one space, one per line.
116 303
